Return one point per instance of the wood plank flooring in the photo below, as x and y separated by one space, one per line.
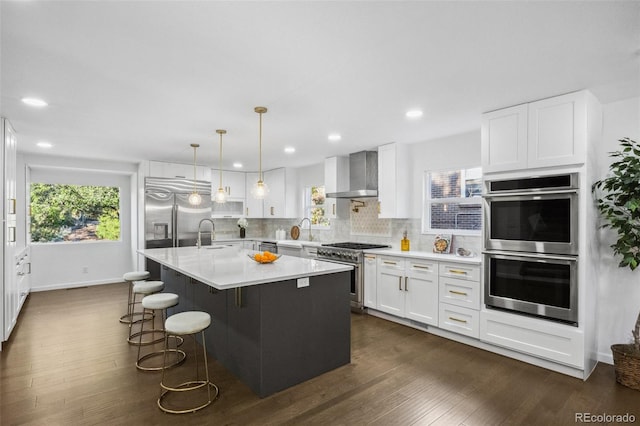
67 363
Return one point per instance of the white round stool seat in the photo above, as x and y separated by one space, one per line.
160 301
136 276
189 322
148 287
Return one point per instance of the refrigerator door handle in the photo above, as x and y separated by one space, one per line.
174 224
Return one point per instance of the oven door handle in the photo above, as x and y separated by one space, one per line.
528 255
355 265
529 193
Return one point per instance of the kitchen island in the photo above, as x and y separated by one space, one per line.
272 325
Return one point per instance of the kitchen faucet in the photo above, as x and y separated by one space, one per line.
213 232
309 220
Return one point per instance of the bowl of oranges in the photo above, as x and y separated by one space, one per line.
264 257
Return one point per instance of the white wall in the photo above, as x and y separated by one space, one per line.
619 289
453 152
60 265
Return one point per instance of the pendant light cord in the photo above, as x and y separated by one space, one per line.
260 149
220 162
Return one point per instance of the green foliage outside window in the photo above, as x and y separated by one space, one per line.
74 213
317 206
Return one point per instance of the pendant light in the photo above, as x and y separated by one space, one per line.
221 195
260 189
194 198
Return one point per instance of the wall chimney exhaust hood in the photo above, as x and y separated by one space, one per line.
363 176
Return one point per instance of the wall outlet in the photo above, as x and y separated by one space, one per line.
303 282
85 269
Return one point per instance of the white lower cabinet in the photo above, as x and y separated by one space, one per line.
459 320
541 338
408 288
459 293
370 281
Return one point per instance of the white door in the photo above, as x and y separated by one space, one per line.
504 139
421 289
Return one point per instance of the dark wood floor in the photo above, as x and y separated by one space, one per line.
67 363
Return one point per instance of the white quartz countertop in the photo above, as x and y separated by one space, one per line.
476 259
224 267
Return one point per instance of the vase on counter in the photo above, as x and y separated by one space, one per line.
243 232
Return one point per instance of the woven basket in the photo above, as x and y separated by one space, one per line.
627 365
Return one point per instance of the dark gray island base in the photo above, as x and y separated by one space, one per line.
275 335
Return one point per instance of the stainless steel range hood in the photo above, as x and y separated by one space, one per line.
363 176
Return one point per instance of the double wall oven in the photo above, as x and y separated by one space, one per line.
350 254
531 245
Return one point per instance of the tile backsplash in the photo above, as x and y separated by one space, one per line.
362 226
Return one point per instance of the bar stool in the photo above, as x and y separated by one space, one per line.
144 288
187 323
130 277
159 301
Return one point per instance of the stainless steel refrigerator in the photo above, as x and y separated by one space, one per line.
170 221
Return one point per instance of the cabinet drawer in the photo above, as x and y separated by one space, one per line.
394 263
460 271
459 320
544 339
460 292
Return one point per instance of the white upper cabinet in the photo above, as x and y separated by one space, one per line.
557 131
175 170
394 186
336 179
234 183
253 207
546 133
282 200
504 139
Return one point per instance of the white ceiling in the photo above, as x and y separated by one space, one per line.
134 80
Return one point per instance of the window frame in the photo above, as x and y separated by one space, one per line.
307 206
428 201
30 223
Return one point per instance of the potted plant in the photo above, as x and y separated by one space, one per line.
618 201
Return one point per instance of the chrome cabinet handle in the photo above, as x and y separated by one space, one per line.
271 209
334 209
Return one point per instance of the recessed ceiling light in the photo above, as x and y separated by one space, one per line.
237 165
334 137
34 102
44 144
414 113
289 150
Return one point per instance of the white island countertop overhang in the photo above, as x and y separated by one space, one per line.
224 267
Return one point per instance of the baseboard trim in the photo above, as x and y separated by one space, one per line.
64 286
605 357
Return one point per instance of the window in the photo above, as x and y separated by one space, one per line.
71 213
452 201
314 206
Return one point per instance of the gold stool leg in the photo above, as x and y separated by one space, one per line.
166 390
180 355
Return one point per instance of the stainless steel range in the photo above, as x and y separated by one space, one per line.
350 254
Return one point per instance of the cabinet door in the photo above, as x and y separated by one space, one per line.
336 178
290 251
390 294
393 181
504 139
243 333
253 206
275 201
370 280
557 131
421 288
235 184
